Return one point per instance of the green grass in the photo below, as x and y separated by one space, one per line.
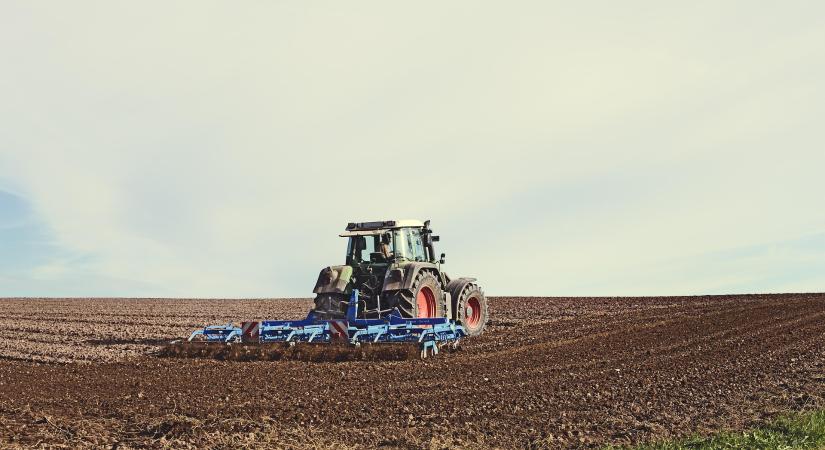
796 431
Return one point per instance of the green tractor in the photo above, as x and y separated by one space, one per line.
392 264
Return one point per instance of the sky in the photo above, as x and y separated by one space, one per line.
217 149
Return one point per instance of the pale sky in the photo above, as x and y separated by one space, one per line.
216 149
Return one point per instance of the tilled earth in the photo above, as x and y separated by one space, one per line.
548 372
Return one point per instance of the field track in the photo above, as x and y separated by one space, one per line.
549 372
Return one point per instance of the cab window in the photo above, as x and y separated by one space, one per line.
415 247
360 247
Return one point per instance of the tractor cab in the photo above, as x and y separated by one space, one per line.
388 241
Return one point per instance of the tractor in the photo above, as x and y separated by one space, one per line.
391 267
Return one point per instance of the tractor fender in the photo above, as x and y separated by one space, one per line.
454 288
403 276
333 280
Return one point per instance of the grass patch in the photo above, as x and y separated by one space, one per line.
794 431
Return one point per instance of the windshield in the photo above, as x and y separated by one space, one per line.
408 244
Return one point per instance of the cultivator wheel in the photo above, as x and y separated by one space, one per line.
424 299
472 310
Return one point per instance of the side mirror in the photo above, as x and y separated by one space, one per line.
442 260
436 238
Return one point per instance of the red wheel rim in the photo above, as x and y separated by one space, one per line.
426 302
472 312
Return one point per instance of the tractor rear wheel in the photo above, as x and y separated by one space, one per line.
424 299
472 311
330 306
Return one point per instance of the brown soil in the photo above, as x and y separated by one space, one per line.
548 372
283 352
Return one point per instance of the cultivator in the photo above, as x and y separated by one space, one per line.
426 334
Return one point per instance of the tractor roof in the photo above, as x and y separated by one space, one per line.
367 228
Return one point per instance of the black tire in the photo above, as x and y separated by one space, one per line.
330 306
472 311
427 285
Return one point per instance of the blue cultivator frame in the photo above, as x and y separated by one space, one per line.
218 333
428 333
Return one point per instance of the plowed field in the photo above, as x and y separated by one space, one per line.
548 372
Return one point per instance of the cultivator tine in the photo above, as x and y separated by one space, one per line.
430 347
